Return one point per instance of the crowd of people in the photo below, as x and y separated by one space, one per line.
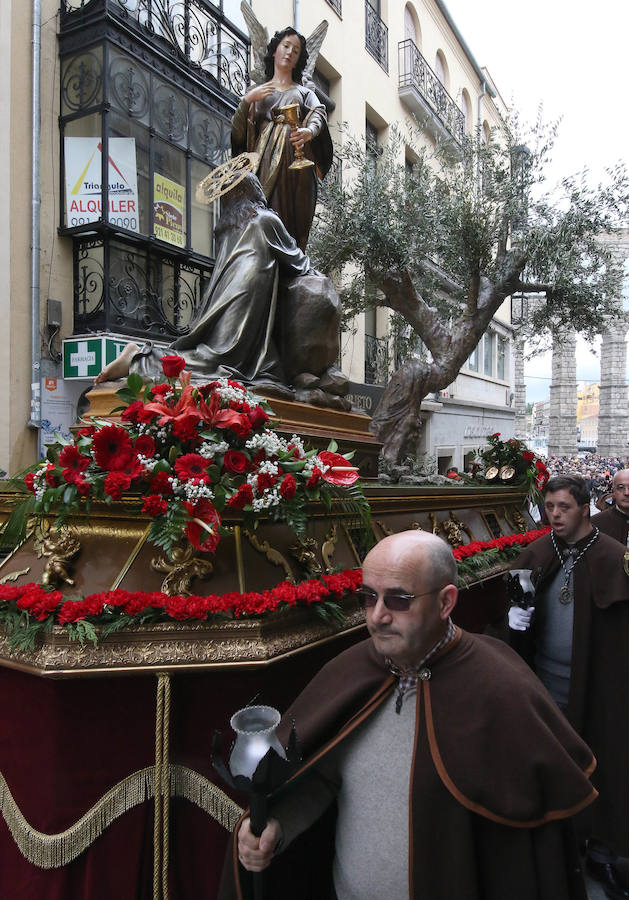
598 471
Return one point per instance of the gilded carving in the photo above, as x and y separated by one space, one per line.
384 528
13 576
304 553
453 528
60 548
434 523
515 518
274 556
181 569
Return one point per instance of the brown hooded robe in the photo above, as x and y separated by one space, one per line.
598 706
496 775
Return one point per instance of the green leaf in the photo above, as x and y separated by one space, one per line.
333 446
14 530
135 383
68 494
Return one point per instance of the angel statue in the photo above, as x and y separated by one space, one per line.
283 68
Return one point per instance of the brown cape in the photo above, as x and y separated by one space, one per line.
496 774
598 706
614 523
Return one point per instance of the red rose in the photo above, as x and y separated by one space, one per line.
235 461
288 487
242 497
112 448
192 467
173 365
154 505
132 412
240 425
258 417
29 481
347 474
528 455
88 431
496 434
453 475
116 483
145 445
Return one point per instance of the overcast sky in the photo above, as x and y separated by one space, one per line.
573 58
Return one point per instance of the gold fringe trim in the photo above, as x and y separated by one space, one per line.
51 851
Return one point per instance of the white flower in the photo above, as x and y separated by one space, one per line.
194 491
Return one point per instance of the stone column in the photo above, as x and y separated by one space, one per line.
613 419
562 430
520 391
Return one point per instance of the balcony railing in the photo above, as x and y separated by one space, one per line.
416 73
192 31
336 6
376 360
376 36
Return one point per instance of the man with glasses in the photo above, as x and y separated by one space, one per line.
435 757
578 631
615 520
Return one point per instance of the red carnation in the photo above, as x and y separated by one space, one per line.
88 431
347 475
76 478
173 365
235 461
161 485
240 425
185 427
160 390
199 536
29 481
192 467
133 412
112 448
70 458
116 483
52 476
288 487
314 478
528 455
242 497
264 481
154 505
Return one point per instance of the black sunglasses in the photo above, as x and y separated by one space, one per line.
396 601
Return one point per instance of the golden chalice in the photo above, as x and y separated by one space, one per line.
291 117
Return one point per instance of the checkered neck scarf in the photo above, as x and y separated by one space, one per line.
407 678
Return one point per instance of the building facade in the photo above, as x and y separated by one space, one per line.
117 109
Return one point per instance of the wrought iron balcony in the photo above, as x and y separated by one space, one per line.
336 6
376 36
192 32
420 89
376 360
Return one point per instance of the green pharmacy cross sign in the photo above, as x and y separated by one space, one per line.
84 358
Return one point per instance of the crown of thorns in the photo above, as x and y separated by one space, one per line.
226 176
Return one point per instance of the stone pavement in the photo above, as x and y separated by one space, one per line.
594 889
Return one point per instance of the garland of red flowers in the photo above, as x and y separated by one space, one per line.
501 543
42 604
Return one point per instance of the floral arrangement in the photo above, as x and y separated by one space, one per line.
191 453
30 610
508 461
472 558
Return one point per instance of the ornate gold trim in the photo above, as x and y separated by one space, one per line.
51 851
304 551
180 568
60 547
240 563
13 576
328 547
274 556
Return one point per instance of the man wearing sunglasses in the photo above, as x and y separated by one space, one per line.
436 765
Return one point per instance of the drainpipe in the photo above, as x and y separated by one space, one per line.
296 15
35 417
479 113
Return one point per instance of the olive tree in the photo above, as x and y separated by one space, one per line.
444 242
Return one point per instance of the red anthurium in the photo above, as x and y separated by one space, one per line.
202 531
341 470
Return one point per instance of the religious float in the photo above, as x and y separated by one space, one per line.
196 546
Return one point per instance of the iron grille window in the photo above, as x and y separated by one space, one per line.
376 35
336 6
142 123
376 360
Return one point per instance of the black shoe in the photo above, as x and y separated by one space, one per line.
609 877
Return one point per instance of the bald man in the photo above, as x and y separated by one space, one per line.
615 520
436 764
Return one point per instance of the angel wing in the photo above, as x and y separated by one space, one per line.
313 43
259 41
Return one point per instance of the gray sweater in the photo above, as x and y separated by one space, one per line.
369 775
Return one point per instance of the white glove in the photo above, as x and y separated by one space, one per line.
520 619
